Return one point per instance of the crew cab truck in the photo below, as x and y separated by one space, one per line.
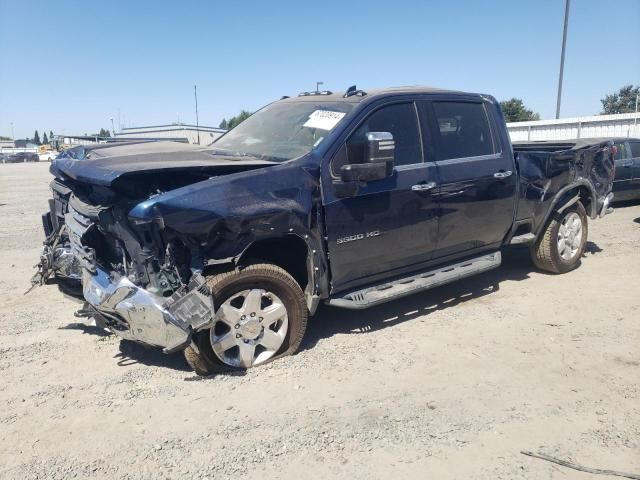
351 199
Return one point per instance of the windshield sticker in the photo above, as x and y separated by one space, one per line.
324 119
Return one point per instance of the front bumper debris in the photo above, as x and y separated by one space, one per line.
57 259
134 313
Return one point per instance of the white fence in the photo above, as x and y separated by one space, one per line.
620 125
9 151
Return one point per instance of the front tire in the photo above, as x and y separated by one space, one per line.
261 315
560 248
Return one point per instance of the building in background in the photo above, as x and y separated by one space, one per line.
597 126
175 131
67 141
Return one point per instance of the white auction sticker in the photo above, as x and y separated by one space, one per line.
324 119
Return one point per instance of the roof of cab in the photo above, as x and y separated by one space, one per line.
369 93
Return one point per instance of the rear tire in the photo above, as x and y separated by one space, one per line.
273 282
560 248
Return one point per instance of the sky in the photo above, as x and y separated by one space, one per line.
70 66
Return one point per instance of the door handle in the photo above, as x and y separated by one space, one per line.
506 174
423 187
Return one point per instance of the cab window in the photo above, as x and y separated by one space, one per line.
401 120
464 130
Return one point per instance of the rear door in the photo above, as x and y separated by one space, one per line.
477 193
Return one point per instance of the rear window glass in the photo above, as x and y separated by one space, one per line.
635 149
464 130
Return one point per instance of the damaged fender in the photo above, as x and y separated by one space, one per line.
221 218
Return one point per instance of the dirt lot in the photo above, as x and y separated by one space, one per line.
451 383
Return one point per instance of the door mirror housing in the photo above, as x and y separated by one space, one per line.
363 172
381 148
379 156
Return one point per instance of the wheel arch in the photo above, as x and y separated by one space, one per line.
295 254
580 190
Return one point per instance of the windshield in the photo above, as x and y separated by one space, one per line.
282 131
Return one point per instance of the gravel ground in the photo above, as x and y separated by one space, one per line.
451 383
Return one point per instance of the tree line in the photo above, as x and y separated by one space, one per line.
47 139
36 138
622 101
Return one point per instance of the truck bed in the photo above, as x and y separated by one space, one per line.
548 168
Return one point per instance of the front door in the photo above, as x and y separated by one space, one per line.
390 225
478 181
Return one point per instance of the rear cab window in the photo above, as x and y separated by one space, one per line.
463 130
635 149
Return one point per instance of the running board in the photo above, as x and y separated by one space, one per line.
370 296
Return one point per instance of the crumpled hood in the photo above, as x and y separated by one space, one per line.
103 164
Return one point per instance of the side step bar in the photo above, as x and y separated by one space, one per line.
370 296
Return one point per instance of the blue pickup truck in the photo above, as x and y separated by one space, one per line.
351 199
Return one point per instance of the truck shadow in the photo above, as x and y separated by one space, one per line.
329 321
132 353
592 248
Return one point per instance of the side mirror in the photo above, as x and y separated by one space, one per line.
379 156
381 148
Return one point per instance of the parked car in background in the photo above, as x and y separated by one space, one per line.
46 153
627 182
20 157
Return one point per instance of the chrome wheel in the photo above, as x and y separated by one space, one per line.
249 328
570 236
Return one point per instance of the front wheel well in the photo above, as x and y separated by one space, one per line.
289 252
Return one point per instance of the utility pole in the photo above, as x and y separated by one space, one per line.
318 86
564 45
195 96
113 128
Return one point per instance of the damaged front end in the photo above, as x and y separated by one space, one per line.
133 280
130 284
140 231
133 313
57 259
94 254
